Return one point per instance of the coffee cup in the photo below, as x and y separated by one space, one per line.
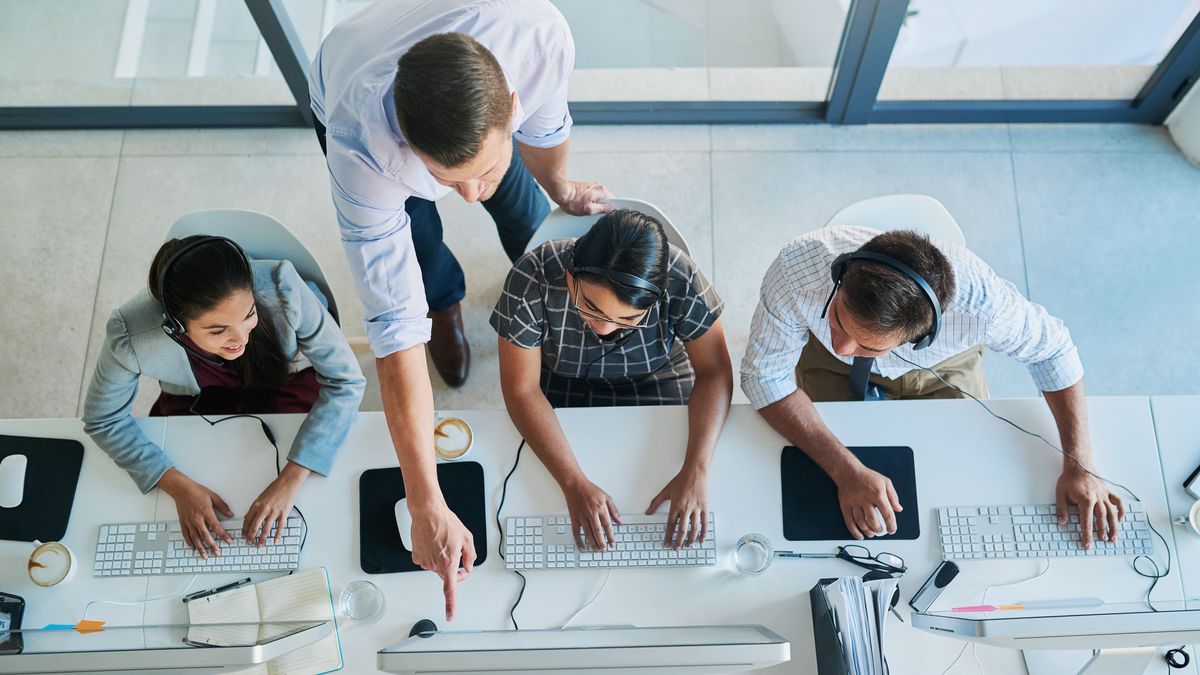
1192 519
452 438
50 564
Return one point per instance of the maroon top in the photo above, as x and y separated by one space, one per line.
222 392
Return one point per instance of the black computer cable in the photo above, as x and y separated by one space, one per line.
1178 658
499 526
1158 573
270 438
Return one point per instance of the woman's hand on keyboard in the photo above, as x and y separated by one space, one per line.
687 521
272 507
195 503
593 510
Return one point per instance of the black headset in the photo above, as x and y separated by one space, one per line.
838 270
171 324
616 277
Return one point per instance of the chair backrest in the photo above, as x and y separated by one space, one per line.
560 224
262 237
902 212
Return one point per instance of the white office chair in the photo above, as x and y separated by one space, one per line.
561 225
262 237
902 212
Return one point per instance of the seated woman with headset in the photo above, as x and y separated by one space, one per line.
616 317
224 335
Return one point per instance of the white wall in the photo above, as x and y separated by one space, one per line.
1184 125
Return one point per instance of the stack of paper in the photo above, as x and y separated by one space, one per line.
860 612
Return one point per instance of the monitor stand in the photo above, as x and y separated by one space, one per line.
1132 661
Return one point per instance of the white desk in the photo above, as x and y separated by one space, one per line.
1178 429
963 457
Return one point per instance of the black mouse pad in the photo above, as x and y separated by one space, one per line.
51 475
810 504
379 545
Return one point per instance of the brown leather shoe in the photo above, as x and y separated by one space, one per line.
449 347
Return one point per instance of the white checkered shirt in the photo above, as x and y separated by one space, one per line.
985 310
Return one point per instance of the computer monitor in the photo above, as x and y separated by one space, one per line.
1120 629
675 649
177 650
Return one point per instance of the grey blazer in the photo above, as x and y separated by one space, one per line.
136 345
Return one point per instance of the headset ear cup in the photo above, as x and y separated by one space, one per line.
838 268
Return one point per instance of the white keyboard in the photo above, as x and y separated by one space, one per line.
141 549
546 542
1032 531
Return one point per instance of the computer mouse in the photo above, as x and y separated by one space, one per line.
404 523
12 480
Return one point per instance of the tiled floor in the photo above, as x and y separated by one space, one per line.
1095 222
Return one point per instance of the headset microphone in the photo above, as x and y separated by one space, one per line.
171 324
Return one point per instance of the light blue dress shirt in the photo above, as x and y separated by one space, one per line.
372 169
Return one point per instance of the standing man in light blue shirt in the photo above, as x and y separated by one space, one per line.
414 99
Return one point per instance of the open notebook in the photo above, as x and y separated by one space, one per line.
303 596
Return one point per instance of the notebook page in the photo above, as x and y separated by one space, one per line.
239 605
303 596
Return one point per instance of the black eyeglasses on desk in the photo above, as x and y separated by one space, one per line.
855 554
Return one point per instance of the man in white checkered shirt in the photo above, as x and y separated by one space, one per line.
875 313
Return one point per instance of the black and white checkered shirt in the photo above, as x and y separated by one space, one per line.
644 366
985 310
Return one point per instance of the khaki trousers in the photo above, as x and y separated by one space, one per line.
826 378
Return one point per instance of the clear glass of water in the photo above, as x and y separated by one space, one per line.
753 554
361 600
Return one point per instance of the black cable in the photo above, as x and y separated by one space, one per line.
500 549
1159 573
270 438
1184 659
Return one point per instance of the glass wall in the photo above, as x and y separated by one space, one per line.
1032 49
134 53
206 62
703 50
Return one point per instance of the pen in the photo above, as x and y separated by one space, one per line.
794 554
220 589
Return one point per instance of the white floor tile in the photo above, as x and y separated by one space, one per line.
54 214
867 138
1110 241
1091 137
60 143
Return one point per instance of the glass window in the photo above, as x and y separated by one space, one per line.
698 50
1032 49
135 52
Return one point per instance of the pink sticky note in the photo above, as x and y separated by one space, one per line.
976 608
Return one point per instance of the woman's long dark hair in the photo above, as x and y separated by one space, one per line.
200 280
629 242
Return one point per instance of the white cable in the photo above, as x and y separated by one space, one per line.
123 603
607 574
983 601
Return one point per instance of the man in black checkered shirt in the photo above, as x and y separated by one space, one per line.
617 317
